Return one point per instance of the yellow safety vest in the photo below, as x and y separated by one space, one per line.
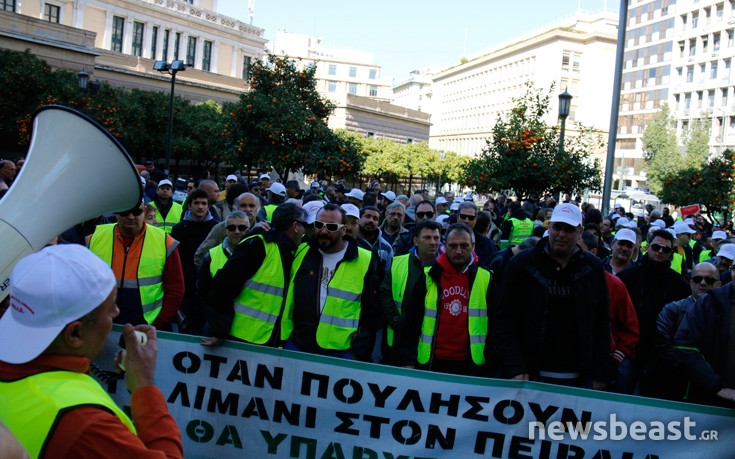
31 406
269 209
172 217
678 263
522 230
260 301
705 255
477 322
399 277
340 318
150 265
218 259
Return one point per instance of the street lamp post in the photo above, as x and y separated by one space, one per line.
85 85
565 103
170 68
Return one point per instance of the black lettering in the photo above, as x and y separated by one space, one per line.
180 390
322 384
542 415
445 440
499 412
363 453
339 391
452 404
375 424
347 422
411 397
475 407
412 438
565 450
229 436
380 395
226 406
263 374
272 442
199 431
333 451
239 372
281 411
309 444
255 407
391 456
569 416
215 361
193 363
310 417
518 446
545 452
199 397
602 454
498 442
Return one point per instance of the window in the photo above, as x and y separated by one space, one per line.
409 141
700 98
332 86
715 42
713 70
332 69
370 134
118 25
688 101
166 35
154 42
373 91
565 60
177 42
7 5
207 57
191 51
373 74
138 28
353 71
246 61
695 21
353 88
730 38
51 13
690 74
576 58
711 99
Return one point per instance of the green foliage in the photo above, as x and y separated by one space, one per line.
523 154
661 150
696 142
710 185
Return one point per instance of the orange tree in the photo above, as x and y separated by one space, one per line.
282 123
710 185
523 154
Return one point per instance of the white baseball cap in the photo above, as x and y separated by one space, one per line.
232 177
443 220
440 200
48 290
315 184
312 208
165 182
389 195
622 221
626 234
567 213
658 223
682 227
277 188
454 206
719 234
727 251
356 193
351 210
264 176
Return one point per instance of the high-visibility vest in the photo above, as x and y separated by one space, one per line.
399 277
477 322
705 255
269 209
678 263
31 406
522 230
172 217
218 259
151 262
259 303
340 318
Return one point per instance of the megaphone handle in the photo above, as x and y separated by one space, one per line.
15 247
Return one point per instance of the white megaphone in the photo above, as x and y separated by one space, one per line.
75 170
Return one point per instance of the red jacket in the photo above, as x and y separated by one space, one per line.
624 328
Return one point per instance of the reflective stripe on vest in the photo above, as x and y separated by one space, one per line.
340 318
218 259
260 301
399 276
269 209
522 230
151 262
172 217
477 317
31 406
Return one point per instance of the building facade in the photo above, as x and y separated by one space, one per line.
577 54
415 92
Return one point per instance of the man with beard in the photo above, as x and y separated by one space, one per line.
332 293
168 212
370 237
423 211
393 226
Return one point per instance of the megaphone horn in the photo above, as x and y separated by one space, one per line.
75 170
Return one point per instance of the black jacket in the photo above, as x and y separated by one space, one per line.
518 335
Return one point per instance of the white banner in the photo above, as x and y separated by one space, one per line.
247 401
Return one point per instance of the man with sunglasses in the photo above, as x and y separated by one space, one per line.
332 295
484 246
423 211
664 378
248 291
652 284
147 268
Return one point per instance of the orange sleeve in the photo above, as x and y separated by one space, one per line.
90 432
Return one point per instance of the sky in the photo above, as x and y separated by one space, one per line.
406 35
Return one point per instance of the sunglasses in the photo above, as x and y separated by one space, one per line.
661 248
699 279
331 227
466 217
240 228
425 214
135 211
